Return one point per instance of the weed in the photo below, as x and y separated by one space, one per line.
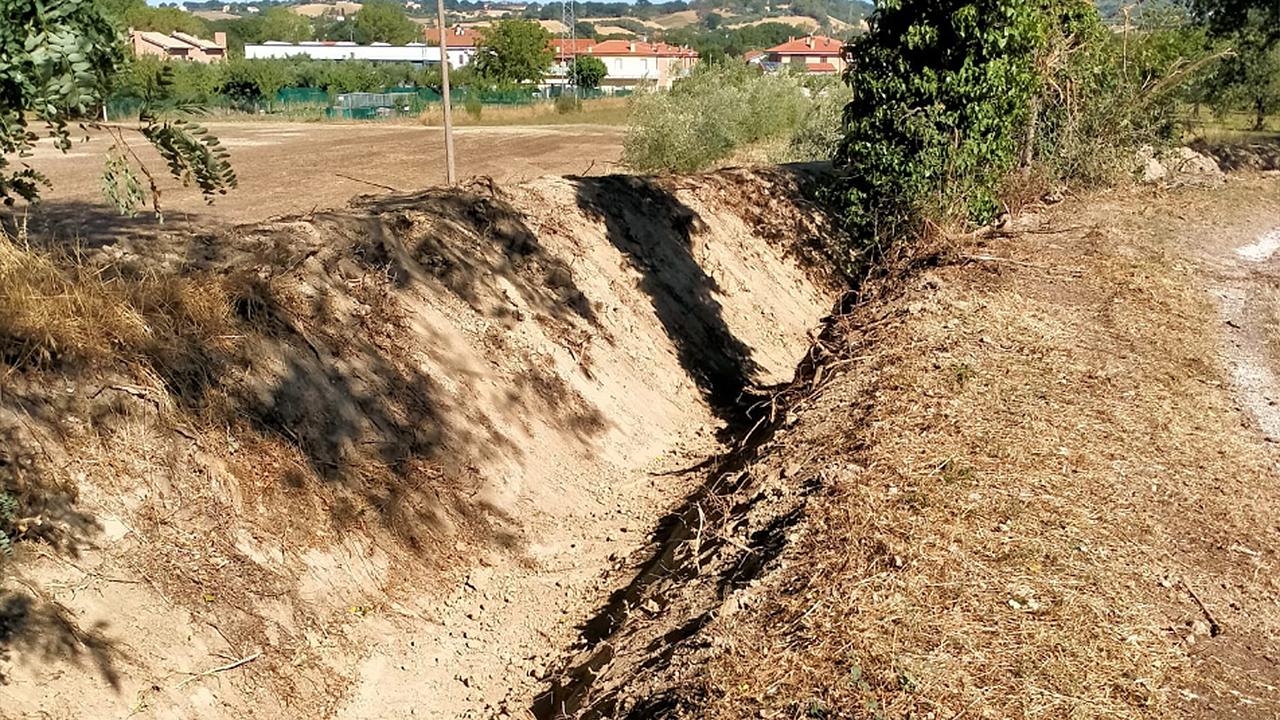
961 373
8 514
566 104
954 473
721 108
473 106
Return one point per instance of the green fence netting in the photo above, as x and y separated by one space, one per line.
391 102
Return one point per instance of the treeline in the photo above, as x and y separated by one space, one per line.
377 21
512 55
713 45
252 84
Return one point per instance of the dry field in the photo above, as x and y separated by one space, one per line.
292 168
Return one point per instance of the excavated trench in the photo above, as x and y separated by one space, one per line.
443 453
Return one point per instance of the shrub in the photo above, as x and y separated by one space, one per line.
568 103
940 95
949 96
720 107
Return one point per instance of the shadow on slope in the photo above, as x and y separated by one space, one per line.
654 231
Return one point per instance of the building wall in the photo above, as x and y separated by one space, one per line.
835 60
459 56
416 54
179 46
627 71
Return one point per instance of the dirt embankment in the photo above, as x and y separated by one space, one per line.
1023 481
379 462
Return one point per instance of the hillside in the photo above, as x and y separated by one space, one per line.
832 15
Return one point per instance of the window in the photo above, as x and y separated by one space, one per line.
617 64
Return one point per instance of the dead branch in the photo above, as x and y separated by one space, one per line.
221 668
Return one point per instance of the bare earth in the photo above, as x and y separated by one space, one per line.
293 168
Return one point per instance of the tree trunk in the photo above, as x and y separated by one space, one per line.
1260 120
1027 156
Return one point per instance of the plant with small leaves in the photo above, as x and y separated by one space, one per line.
55 56
8 514
57 60
192 154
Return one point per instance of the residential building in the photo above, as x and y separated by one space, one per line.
179 46
816 53
628 63
417 53
565 51
460 43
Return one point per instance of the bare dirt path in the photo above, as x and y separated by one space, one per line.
1245 307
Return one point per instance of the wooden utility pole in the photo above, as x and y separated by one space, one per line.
450 177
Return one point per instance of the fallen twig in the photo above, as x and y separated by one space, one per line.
222 668
1214 628
1011 261
366 182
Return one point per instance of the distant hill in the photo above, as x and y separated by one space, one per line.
836 16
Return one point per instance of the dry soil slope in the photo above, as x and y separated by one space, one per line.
371 459
1020 484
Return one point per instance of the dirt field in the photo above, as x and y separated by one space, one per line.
291 168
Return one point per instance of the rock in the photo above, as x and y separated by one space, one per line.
1198 168
1153 171
480 579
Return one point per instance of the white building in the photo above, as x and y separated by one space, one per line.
417 53
628 63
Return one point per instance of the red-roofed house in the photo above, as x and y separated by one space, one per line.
632 63
460 43
179 46
567 49
817 53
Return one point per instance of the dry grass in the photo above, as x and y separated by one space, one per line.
55 309
603 111
1034 479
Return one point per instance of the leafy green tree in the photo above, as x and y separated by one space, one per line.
259 80
587 72
57 58
140 16
384 21
941 93
1250 78
283 24
584 29
513 51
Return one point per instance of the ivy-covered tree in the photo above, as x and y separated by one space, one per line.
587 72
57 57
511 52
941 90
